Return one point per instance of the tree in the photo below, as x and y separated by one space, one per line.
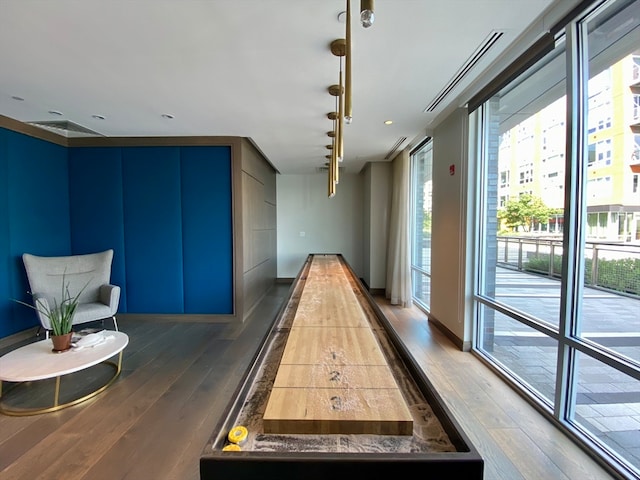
426 221
524 212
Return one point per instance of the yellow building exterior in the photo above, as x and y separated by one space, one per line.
532 156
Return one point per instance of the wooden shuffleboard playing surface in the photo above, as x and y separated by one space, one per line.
333 376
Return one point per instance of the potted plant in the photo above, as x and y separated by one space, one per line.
60 315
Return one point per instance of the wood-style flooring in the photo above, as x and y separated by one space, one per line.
178 377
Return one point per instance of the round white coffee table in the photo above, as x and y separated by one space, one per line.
36 361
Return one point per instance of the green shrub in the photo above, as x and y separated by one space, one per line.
621 275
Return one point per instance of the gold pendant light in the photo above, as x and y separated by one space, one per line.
344 91
348 114
366 13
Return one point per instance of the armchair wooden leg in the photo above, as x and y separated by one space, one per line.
115 323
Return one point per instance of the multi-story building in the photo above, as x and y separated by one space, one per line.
532 156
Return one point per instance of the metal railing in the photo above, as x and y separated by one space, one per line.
610 266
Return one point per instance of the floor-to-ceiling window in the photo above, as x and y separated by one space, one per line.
421 188
557 294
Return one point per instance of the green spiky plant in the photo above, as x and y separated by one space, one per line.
60 315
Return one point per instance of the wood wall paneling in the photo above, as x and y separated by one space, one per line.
258 198
252 219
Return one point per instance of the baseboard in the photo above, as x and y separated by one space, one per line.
461 344
285 280
372 291
29 333
187 318
18 337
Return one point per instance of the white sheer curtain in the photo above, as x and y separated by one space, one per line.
398 288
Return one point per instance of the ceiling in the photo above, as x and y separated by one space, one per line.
250 68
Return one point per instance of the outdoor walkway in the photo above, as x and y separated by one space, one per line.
607 401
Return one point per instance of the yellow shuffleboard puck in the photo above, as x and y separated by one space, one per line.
238 434
232 447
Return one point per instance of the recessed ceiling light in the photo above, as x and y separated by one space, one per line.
167 115
19 99
98 117
55 112
388 122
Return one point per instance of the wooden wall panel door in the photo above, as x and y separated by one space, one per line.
257 210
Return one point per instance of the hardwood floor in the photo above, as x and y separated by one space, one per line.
515 440
178 377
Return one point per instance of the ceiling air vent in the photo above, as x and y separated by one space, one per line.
480 52
395 147
65 128
325 169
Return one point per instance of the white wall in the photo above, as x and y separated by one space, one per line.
449 228
366 224
310 222
377 206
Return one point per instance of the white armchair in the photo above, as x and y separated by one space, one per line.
98 301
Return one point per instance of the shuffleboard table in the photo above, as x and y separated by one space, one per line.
333 391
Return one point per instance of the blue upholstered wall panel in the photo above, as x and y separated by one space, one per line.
36 211
166 212
153 229
7 307
207 229
39 196
97 212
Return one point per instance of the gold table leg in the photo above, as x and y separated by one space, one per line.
56 396
7 409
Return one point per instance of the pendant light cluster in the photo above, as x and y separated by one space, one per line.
341 91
